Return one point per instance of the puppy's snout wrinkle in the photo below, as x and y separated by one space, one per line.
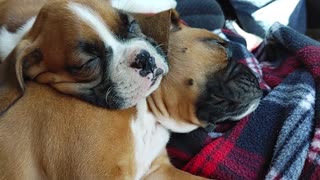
145 62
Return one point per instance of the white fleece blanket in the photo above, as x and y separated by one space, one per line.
144 6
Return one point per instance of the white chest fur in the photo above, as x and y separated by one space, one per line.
150 138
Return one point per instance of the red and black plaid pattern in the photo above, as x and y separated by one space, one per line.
248 149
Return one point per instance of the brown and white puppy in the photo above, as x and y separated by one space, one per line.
40 139
84 48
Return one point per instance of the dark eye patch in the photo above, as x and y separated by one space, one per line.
87 66
124 18
228 93
122 31
91 48
94 51
134 27
130 28
217 97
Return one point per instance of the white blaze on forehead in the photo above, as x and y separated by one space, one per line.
94 20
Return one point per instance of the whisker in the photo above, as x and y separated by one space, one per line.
108 92
159 45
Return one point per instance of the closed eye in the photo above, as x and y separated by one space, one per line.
218 100
84 67
217 97
89 62
92 48
212 41
133 27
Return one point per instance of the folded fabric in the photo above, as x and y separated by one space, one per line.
256 17
281 139
201 14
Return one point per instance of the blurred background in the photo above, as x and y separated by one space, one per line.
253 16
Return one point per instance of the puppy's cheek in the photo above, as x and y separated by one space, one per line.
208 111
49 77
162 63
67 88
34 70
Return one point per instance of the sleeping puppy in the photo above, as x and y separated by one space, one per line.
40 139
84 48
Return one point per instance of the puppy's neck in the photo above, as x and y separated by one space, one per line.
171 110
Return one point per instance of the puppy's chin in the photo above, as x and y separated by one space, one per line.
118 99
250 108
237 114
122 98
138 89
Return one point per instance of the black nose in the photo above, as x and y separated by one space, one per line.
145 62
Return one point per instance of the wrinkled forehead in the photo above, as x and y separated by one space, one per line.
87 19
198 54
200 45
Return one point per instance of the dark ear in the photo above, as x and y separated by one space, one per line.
11 76
156 26
175 19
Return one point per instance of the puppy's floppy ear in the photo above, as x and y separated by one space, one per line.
175 19
11 75
156 26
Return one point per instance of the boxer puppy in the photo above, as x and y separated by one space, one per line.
84 48
39 139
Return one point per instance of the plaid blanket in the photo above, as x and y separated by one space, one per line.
281 139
